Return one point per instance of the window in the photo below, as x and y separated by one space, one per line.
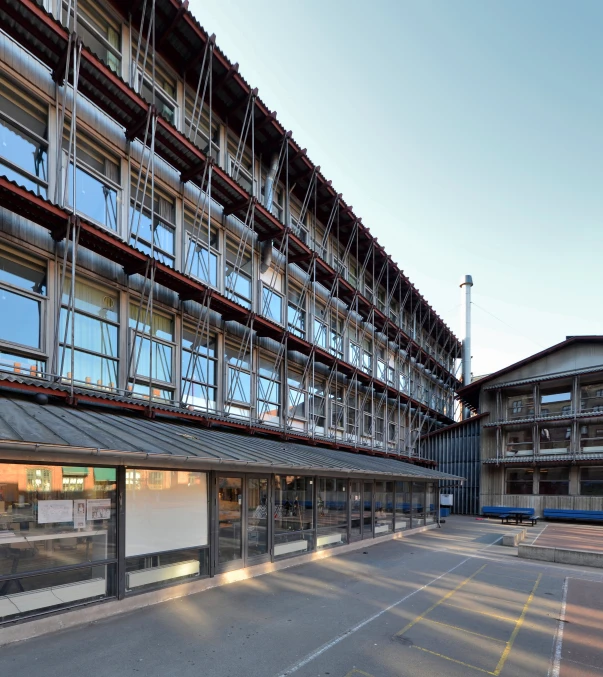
24 136
202 258
555 402
152 226
241 170
238 397
520 481
298 224
272 304
98 30
520 405
297 401
317 408
269 392
369 288
355 354
353 421
384 507
97 183
22 295
332 512
591 396
199 371
379 424
152 349
555 439
277 208
296 312
320 333
367 420
197 125
591 481
519 443
293 514
336 336
554 481
591 438
238 272
336 406
95 333
63 529
165 87
367 355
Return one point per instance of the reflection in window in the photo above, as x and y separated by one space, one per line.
317 408
238 394
332 512
152 226
238 272
296 313
293 515
199 371
591 481
554 481
297 401
96 328
55 522
97 183
22 292
23 139
519 481
384 507
202 249
519 443
151 354
269 392
272 305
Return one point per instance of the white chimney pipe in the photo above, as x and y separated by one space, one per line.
467 283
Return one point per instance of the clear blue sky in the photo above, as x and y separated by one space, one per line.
467 134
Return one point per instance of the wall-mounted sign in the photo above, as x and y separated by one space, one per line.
50 512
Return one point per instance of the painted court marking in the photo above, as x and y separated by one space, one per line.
556 663
329 645
508 644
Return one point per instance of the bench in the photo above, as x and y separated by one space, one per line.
506 513
562 514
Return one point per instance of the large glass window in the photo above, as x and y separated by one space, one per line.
199 371
272 304
554 481
166 527
238 380
431 503
332 511
293 515
317 407
591 397
337 411
519 442
591 481
152 225
241 168
555 439
355 510
95 332
98 29
24 136
238 272
97 183
269 391
352 418
164 94
556 402
197 124
520 404
519 481
151 354
296 312
22 296
591 437
57 537
402 505
297 401
418 504
202 258
384 507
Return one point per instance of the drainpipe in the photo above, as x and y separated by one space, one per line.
467 283
266 247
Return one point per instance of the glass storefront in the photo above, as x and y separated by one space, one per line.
59 526
57 537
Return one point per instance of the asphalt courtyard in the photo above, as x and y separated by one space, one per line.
446 602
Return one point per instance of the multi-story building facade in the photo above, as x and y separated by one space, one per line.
167 249
542 428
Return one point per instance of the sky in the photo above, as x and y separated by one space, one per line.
467 134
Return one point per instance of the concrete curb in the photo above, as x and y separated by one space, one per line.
514 538
62 620
584 558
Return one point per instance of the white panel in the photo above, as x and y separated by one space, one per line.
327 540
283 548
380 528
39 599
164 573
169 518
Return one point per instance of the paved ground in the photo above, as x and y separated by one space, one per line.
446 602
572 536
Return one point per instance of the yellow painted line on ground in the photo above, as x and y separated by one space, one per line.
358 672
440 601
469 632
453 660
482 613
516 629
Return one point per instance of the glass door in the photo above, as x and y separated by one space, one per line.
230 514
367 512
257 509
